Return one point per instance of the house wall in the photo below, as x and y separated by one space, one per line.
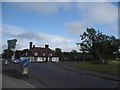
55 59
22 58
41 59
37 59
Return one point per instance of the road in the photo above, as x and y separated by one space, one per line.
51 75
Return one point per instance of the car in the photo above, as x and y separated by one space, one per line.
16 61
5 61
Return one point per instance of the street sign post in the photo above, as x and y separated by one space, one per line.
11 45
25 65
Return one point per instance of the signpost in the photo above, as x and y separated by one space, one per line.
25 65
11 45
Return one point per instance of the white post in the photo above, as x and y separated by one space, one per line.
13 58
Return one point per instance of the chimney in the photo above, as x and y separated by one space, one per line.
46 46
30 45
33 46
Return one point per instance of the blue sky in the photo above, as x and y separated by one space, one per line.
56 24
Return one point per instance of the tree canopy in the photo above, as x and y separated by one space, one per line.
97 43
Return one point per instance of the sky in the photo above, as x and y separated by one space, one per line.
58 24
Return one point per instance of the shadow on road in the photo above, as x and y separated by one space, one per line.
14 73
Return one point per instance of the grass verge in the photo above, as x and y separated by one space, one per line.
112 69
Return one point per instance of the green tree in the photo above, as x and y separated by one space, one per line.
115 47
74 51
96 43
18 54
7 54
25 51
74 55
58 51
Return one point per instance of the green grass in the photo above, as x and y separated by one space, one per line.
114 62
101 68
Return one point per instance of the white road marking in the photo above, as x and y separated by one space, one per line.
28 84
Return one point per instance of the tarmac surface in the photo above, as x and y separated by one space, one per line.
95 74
59 75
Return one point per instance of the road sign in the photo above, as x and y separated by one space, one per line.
25 63
11 43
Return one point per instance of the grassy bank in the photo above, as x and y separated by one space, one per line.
111 68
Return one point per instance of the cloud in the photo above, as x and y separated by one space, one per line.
0 27
76 27
84 0
95 14
43 37
60 0
32 36
25 0
43 8
39 38
103 13
69 48
11 31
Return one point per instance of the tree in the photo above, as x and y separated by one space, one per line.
96 43
7 54
25 51
58 51
115 47
74 51
74 55
18 54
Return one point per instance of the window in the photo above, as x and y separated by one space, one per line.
50 54
43 54
36 54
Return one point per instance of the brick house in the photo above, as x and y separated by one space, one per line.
41 54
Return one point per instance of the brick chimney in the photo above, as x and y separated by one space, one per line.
30 47
33 46
46 46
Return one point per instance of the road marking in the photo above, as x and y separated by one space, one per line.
28 84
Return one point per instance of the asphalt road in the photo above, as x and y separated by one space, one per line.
51 75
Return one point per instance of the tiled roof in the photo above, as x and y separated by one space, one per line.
39 49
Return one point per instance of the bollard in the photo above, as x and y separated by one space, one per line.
25 71
25 65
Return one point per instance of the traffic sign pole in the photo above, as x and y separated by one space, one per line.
25 71
13 57
11 45
25 65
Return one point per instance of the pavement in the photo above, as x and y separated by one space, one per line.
95 74
0 81
10 82
12 79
